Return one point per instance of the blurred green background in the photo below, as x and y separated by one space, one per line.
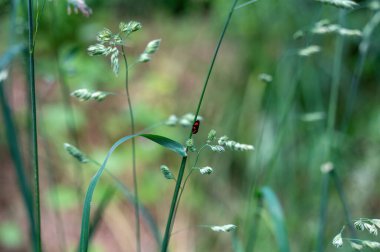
285 119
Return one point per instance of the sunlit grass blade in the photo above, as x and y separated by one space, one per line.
274 208
165 142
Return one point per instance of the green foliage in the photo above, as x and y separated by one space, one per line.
261 92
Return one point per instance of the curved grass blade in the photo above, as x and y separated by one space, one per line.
277 217
166 142
144 211
106 199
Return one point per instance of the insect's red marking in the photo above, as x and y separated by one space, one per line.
195 127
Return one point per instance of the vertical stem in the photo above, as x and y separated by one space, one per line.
165 242
335 87
170 220
331 124
347 214
323 211
254 228
136 202
32 86
363 49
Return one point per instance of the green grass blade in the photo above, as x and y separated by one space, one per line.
323 211
14 148
166 142
275 211
144 211
237 245
106 199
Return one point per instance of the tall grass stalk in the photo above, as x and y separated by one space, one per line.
134 173
331 118
335 86
173 205
347 214
363 50
323 211
32 90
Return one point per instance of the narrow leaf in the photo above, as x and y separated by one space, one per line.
167 143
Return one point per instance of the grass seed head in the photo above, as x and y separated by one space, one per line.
76 153
211 135
345 4
206 170
308 51
225 228
372 244
338 241
166 172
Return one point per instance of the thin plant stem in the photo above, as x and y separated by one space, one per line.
347 214
335 87
135 186
165 242
170 220
32 86
363 50
331 122
323 211
38 20
186 179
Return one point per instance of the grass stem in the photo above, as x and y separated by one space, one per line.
323 211
173 206
32 90
135 186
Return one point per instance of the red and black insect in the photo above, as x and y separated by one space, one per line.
195 127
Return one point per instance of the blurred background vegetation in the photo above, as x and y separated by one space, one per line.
285 119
